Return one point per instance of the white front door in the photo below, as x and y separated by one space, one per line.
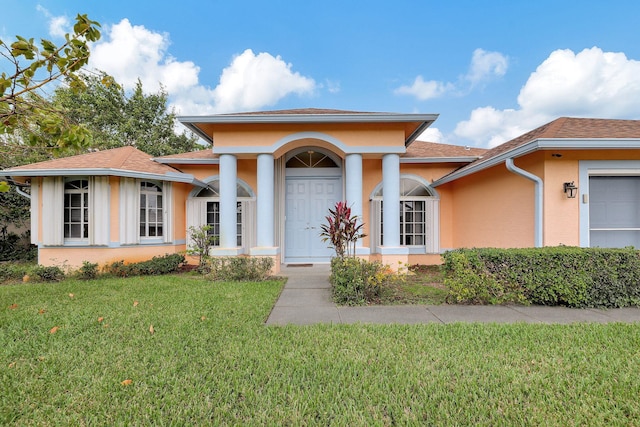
308 200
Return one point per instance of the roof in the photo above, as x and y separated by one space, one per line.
424 149
204 126
562 133
122 161
417 151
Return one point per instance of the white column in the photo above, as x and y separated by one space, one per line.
391 199
265 202
353 187
228 201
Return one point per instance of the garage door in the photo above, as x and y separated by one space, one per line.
614 211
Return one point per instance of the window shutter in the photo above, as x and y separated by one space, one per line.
432 232
99 211
249 225
196 215
129 211
167 211
53 204
35 210
376 209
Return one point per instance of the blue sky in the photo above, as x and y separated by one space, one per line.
492 70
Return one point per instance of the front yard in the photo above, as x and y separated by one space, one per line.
182 350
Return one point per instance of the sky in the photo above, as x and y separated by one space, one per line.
492 70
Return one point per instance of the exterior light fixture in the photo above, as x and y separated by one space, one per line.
570 190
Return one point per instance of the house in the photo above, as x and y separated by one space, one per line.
270 178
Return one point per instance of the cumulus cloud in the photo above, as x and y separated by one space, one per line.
431 135
485 65
256 80
58 25
424 90
591 83
132 52
251 81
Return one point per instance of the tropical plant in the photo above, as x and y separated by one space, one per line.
342 230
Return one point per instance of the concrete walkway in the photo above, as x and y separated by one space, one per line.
306 300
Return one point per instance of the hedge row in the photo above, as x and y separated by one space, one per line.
568 276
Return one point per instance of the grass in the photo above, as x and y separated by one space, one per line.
211 361
423 285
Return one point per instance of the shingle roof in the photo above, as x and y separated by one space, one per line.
123 158
426 149
563 128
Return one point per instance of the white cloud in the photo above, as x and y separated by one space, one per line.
485 65
591 83
424 90
431 135
130 53
58 25
253 81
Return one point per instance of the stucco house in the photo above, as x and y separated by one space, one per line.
270 178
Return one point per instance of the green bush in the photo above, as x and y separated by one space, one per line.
166 264
12 272
15 247
88 271
569 276
48 273
356 281
253 269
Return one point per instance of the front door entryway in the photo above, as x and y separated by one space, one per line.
312 185
308 200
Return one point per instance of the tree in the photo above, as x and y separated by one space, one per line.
116 118
23 108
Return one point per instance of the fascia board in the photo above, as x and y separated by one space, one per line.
187 161
308 118
466 159
169 176
544 144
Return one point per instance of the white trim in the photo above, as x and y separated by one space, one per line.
338 144
542 144
35 210
169 176
129 211
53 205
589 168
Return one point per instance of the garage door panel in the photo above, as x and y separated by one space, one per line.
614 211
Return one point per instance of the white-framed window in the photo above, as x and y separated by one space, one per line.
419 216
145 212
151 210
76 210
203 208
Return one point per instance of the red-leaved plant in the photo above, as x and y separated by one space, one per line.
342 230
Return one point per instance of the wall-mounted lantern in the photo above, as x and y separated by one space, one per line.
570 190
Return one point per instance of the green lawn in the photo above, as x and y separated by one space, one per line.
211 361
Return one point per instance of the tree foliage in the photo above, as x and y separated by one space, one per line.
116 118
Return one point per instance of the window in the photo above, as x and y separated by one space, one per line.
76 209
418 216
203 208
151 212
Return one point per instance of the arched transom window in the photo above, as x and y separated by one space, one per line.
419 207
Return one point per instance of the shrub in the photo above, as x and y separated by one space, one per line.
239 268
11 271
201 240
48 274
356 281
342 230
15 247
574 277
88 271
157 265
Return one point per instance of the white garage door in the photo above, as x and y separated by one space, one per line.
614 211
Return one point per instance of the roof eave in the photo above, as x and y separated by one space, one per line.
169 176
543 144
458 159
309 118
